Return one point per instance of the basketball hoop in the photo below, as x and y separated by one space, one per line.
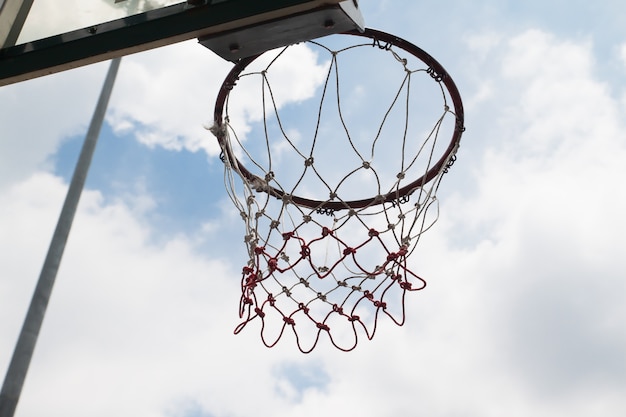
335 201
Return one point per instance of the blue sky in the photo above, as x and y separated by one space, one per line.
179 181
524 310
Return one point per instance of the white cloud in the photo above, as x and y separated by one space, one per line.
166 96
622 57
544 224
125 312
483 44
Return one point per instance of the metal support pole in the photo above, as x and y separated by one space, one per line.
16 374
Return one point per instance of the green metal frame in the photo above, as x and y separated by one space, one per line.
140 32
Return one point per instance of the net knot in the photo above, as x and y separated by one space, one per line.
305 251
326 231
380 304
247 300
287 235
354 318
366 165
392 256
349 251
309 161
259 250
406 285
368 295
247 270
259 312
322 326
337 309
271 300
304 308
373 233
251 281
272 264
289 321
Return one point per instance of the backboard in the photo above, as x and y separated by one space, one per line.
46 36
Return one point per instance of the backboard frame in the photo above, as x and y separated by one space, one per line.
144 31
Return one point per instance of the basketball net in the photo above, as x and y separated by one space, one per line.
335 190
